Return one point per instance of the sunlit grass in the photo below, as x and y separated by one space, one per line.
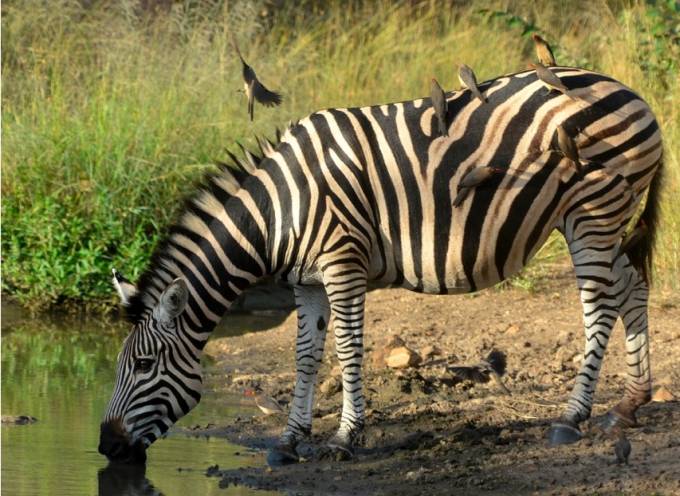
109 113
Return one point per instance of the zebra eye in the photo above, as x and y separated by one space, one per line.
143 365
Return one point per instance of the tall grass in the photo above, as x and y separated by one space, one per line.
110 111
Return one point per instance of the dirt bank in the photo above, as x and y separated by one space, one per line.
427 434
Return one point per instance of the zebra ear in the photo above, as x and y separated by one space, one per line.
126 290
172 301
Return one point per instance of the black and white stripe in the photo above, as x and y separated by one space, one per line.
351 196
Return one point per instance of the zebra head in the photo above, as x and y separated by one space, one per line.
158 376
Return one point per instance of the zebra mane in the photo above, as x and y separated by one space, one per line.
218 185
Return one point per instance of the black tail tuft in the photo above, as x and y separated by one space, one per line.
641 255
498 361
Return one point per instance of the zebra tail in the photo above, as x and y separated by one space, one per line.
641 255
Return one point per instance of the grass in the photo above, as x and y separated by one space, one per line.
109 112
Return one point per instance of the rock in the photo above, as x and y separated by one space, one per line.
430 351
402 357
331 386
18 419
213 471
512 329
662 394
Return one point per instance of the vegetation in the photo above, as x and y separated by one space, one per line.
109 110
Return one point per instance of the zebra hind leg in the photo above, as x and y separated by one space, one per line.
633 312
346 288
601 292
313 315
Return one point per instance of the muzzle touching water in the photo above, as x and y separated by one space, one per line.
114 443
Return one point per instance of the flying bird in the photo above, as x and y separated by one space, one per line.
549 79
472 179
493 366
622 449
543 51
568 147
467 78
254 89
440 106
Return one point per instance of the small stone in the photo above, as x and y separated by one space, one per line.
512 329
18 419
402 357
330 386
662 394
213 471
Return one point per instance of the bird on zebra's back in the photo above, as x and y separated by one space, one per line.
568 148
468 79
472 179
543 51
266 404
550 79
493 365
254 89
440 106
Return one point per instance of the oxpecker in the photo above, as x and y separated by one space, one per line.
467 78
254 89
543 51
549 79
439 105
474 178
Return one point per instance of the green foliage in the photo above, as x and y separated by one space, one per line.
111 112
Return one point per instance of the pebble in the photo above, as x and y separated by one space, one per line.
402 357
662 395
18 419
331 386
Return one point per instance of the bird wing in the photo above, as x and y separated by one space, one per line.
251 99
474 373
264 96
497 361
475 177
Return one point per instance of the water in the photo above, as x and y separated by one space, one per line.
63 375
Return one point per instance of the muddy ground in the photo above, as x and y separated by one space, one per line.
428 434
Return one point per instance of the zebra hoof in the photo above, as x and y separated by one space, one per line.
563 433
340 449
614 420
282 454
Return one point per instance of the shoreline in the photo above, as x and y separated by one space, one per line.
427 434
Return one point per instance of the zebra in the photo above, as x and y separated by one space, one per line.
349 197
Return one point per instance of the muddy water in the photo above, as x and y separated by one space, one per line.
62 374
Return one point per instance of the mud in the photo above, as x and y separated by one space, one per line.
429 434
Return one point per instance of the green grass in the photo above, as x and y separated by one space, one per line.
110 112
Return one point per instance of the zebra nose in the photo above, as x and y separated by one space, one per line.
112 439
114 443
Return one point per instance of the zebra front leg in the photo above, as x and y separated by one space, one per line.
638 390
600 296
346 289
313 315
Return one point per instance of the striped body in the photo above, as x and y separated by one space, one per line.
351 197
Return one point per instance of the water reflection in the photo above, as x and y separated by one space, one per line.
128 480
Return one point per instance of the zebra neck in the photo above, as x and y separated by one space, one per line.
218 249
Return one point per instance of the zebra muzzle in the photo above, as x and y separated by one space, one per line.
114 443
